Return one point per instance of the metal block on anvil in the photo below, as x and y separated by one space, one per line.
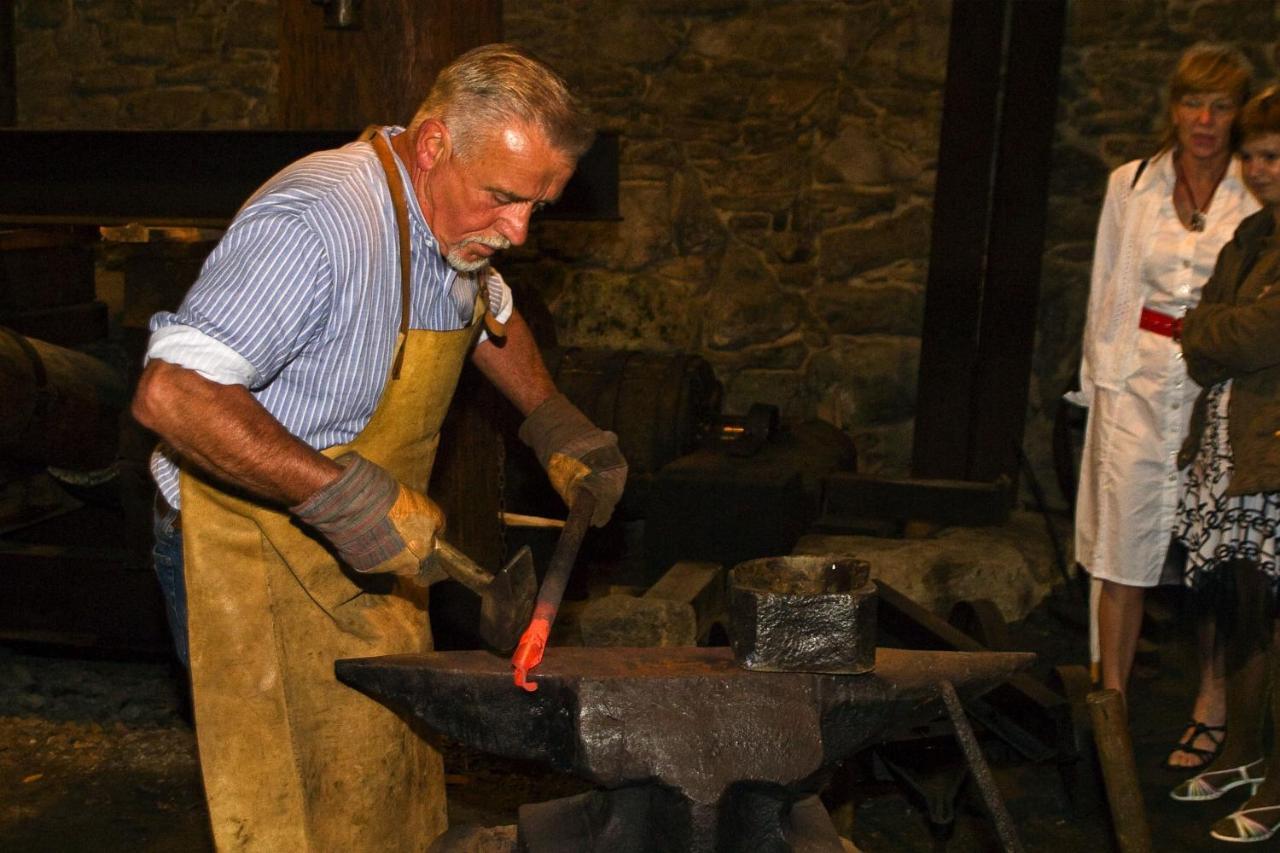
708 735
806 613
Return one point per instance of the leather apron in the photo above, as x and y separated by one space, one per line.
292 759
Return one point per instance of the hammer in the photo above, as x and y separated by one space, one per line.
506 597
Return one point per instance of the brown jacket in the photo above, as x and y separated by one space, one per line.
1234 333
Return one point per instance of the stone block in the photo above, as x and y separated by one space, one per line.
771 36
624 620
1012 564
42 15
748 307
701 586
628 312
253 25
882 309
130 42
867 380
853 249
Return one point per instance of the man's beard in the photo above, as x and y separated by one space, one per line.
456 259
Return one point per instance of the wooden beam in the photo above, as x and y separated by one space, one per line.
958 247
1006 339
379 72
988 236
8 66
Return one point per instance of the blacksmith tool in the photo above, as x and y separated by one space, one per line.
529 651
506 598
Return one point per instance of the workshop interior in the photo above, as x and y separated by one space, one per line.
823 272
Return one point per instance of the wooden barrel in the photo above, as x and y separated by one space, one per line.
660 404
62 407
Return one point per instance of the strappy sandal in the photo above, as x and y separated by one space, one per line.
1215 783
1243 829
1215 734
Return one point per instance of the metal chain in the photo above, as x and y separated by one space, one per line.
501 456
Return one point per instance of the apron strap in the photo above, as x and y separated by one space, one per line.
383 149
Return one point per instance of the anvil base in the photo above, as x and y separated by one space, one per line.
650 819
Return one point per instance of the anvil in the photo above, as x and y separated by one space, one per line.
694 753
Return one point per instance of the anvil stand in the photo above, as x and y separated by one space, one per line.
690 751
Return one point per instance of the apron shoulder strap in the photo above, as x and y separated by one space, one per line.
399 202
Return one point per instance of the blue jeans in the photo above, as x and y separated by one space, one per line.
167 558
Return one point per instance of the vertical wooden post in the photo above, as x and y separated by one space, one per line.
988 237
380 71
8 67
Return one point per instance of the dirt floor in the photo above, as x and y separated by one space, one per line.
95 755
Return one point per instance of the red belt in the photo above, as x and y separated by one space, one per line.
1161 324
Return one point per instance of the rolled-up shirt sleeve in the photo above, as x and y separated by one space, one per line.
262 295
191 348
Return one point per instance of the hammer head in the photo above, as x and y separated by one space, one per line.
507 603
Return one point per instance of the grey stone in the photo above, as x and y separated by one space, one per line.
624 620
635 38
735 181
164 108
787 354
782 99
41 14
856 309
623 311
253 24
872 379
852 249
701 586
781 388
196 36
748 307
885 450
698 98
161 10
786 35
188 73
135 43
697 227
115 79
1011 564
106 11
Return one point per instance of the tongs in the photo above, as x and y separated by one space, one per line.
534 640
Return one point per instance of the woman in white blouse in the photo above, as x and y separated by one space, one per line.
1162 224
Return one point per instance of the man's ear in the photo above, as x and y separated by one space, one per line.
432 144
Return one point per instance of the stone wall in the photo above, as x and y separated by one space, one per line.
777 167
777 170
154 64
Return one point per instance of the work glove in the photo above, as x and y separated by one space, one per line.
576 454
376 524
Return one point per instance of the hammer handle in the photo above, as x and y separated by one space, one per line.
461 568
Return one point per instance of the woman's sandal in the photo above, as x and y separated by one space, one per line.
1215 783
1215 734
1243 829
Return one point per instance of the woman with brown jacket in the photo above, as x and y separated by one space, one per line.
1229 509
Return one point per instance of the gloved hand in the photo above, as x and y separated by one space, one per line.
375 523
576 453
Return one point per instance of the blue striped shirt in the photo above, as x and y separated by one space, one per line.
300 300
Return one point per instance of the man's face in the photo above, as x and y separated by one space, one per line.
481 204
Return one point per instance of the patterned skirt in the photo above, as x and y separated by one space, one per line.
1215 528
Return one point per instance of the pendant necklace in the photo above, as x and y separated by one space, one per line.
1197 212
